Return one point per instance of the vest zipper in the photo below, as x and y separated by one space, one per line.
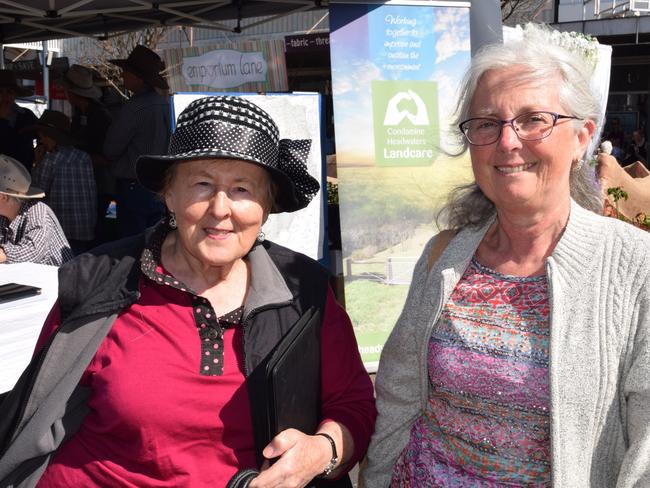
246 321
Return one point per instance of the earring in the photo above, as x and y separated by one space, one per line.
261 236
171 221
577 164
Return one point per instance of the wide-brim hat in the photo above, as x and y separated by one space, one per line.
145 64
235 128
15 179
79 80
56 125
8 80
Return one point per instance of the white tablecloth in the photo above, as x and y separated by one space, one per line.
21 320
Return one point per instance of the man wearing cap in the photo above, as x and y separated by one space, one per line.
66 175
90 122
142 126
29 230
13 119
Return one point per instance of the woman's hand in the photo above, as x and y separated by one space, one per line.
302 458
608 169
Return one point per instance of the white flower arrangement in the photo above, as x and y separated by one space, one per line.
583 44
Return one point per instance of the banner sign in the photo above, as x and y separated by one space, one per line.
224 68
298 116
395 71
248 66
307 42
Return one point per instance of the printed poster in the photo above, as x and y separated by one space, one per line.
395 72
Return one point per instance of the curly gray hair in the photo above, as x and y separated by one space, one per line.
542 60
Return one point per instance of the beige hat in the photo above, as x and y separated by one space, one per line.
15 180
79 80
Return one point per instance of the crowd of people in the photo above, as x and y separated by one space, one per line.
627 148
85 162
521 357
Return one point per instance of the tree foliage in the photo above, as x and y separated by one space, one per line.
119 47
518 11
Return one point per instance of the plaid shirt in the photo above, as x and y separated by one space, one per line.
67 178
142 126
34 236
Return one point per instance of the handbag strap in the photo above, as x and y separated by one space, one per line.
439 246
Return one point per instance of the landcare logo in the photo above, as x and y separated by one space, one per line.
405 117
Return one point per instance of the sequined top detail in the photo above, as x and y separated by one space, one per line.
487 422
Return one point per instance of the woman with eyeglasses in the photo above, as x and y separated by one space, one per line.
522 355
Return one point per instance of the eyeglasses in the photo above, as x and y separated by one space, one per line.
531 126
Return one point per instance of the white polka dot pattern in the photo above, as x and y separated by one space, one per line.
233 127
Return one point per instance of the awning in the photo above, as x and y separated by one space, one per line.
32 20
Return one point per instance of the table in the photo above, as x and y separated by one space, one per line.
21 320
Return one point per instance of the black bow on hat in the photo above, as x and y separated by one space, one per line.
234 128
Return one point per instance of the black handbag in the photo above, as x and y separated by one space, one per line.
292 391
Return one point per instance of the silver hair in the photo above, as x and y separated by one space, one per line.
542 60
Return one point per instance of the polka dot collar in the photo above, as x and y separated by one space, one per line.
209 326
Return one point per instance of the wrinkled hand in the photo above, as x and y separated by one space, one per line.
302 457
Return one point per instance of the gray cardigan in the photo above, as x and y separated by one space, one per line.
599 294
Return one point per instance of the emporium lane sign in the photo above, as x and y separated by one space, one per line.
225 68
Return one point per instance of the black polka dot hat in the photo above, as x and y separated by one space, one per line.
234 128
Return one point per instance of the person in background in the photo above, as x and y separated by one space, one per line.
142 126
29 230
90 122
638 150
522 355
65 173
616 135
160 340
14 140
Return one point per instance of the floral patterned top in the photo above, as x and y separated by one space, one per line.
487 421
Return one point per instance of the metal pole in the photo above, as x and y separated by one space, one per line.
46 75
485 23
2 56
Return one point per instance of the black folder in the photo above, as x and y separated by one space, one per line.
14 291
293 378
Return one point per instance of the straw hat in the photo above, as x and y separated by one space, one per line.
15 180
8 80
145 64
234 128
79 80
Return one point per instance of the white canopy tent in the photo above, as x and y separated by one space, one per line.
38 20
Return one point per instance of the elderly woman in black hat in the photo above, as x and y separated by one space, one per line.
148 364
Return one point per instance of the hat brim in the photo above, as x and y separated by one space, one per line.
56 134
155 80
94 92
32 192
150 171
